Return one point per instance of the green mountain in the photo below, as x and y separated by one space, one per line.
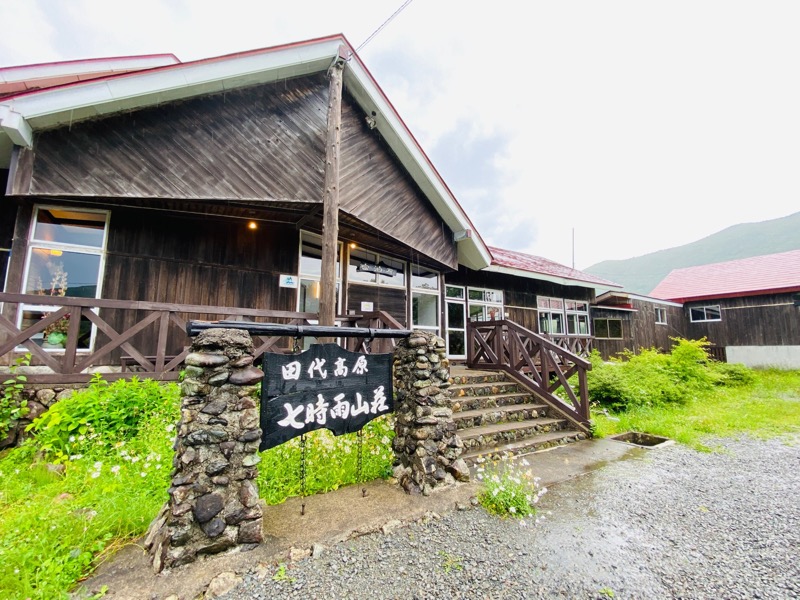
642 273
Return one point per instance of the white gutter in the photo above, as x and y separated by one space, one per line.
16 127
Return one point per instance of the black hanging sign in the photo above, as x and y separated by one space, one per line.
324 387
380 269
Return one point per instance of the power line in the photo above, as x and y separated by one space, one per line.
385 23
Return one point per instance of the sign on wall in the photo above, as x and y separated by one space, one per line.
324 387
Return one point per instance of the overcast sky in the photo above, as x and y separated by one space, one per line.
640 125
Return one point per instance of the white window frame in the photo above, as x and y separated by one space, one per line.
35 244
315 277
487 305
543 307
420 291
661 316
581 310
705 309
461 300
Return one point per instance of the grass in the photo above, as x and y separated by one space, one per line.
767 407
99 469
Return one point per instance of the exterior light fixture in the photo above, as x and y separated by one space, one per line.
252 225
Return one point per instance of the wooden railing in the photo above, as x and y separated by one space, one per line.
534 361
148 338
582 346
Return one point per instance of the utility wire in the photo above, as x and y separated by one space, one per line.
385 23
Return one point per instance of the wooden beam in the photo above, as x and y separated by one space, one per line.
330 198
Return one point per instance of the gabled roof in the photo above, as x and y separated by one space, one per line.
26 78
768 274
528 265
25 112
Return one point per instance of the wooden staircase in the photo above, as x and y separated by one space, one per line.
497 417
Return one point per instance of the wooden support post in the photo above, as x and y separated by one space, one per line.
330 199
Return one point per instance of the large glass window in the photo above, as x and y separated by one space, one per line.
551 315
65 259
373 268
310 271
484 304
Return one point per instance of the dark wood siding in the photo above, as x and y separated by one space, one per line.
639 328
195 260
768 320
391 300
519 293
375 190
264 142
8 214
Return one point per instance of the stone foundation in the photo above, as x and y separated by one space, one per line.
214 504
426 445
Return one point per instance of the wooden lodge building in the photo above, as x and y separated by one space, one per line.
142 192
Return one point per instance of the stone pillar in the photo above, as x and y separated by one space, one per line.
426 445
213 502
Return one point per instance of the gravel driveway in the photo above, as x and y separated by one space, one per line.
671 523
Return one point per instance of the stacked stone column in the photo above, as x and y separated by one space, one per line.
426 445
213 504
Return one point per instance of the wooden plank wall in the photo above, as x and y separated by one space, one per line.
639 328
184 259
264 142
768 320
376 191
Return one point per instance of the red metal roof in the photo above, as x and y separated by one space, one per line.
537 264
768 274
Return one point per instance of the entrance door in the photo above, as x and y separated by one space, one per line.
456 321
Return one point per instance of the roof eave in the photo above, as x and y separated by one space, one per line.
546 277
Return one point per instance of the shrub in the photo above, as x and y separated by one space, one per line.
102 413
652 378
12 406
733 374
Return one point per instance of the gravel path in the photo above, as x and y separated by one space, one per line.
673 523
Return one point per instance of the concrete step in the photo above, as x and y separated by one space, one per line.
499 414
486 436
470 403
537 443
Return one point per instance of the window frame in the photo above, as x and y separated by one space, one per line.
607 320
34 244
417 291
705 308
661 315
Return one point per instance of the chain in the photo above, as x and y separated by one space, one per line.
360 464
296 348
303 472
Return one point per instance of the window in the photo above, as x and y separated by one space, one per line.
608 329
551 315
65 259
485 305
705 313
374 269
661 316
311 270
456 321
577 317
425 299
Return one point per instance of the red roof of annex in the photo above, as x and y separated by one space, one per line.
537 264
767 274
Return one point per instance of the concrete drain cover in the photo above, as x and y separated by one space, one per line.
645 440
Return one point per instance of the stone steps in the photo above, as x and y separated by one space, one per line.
536 443
498 414
497 417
